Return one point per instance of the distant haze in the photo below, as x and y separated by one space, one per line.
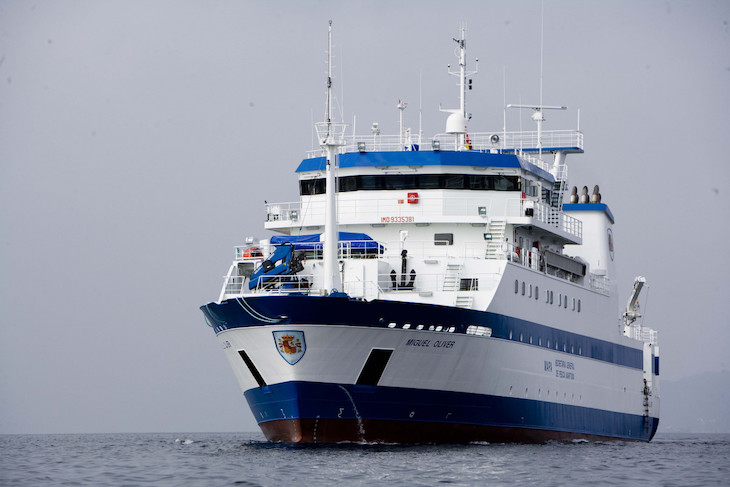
139 140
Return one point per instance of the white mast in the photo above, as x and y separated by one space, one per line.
330 138
456 122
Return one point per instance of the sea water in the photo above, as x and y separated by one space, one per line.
220 459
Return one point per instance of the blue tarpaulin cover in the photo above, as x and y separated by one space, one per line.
310 242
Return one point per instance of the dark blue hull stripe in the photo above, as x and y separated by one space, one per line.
323 401
301 309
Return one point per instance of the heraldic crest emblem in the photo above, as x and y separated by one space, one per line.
291 345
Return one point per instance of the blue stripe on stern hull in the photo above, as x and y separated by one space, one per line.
446 416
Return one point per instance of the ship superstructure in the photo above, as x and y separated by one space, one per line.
438 291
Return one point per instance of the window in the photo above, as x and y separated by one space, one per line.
579 306
312 186
565 302
400 181
453 181
414 181
470 284
523 288
530 290
537 292
573 304
517 286
443 239
560 300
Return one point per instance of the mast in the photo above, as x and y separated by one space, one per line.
456 122
330 138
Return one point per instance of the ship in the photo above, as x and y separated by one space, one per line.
438 290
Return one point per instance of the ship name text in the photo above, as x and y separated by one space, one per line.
414 342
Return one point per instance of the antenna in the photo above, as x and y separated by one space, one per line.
542 43
420 106
401 106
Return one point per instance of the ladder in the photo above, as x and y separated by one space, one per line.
496 229
452 277
464 300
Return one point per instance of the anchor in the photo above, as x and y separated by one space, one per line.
394 277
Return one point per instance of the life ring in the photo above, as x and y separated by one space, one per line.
252 253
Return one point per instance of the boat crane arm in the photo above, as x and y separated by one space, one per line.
632 306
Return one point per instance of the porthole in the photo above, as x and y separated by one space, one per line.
580 350
572 349
406 326
517 286
523 288
419 327
530 339
560 300
537 292
565 347
551 297
439 328
431 328
530 290
556 344
539 341
579 306
510 335
548 343
573 304
565 302
520 336
547 296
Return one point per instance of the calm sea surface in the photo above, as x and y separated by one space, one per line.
212 459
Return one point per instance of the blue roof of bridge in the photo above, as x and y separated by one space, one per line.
426 158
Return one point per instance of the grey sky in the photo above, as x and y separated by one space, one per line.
138 141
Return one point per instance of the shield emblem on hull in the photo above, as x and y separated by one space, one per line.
291 345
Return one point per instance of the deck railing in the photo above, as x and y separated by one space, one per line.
566 140
391 210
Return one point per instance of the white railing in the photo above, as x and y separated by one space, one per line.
391 250
571 140
390 210
643 333
601 284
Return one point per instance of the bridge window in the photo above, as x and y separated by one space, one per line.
375 182
312 186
